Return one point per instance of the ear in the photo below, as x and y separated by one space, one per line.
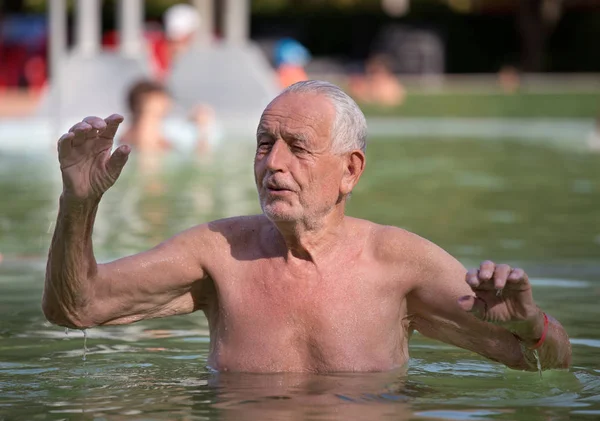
354 165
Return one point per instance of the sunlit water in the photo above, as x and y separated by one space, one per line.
527 205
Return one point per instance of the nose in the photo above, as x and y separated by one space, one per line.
277 157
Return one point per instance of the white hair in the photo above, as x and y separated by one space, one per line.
349 131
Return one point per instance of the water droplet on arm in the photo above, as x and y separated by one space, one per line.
538 362
84 344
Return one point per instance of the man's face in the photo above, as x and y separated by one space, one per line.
297 174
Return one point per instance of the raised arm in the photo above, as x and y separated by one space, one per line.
489 310
81 293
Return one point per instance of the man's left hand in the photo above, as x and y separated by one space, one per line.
503 296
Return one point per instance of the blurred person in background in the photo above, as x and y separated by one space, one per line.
182 22
593 140
203 118
290 59
509 79
379 85
149 134
149 105
23 41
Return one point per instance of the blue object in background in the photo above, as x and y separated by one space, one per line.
291 52
27 30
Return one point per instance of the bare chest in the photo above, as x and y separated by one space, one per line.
347 319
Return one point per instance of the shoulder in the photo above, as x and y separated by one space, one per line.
239 228
226 230
408 252
235 229
392 243
215 242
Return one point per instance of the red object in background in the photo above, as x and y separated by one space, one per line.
156 45
23 51
21 68
35 73
289 74
12 58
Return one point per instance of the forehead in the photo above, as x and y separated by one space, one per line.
299 112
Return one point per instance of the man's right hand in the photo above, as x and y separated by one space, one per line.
88 168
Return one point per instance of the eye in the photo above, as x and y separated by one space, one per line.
298 149
263 146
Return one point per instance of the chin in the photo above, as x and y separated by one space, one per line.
278 212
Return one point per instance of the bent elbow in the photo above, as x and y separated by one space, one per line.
62 317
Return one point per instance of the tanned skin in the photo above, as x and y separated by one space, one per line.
301 287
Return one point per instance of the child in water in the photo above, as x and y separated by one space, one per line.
149 104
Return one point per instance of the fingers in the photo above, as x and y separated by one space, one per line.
491 276
474 305
90 128
480 278
500 275
117 161
517 275
97 123
112 125
486 270
472 278
65 144
81 131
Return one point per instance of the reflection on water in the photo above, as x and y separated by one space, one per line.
526 204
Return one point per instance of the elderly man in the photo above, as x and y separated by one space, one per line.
301 287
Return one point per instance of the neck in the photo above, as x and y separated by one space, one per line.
146 133
309 239
151 122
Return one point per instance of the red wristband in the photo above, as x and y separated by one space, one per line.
544 334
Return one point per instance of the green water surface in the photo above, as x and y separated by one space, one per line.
530 205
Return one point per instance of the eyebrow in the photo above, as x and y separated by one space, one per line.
262 131
297 136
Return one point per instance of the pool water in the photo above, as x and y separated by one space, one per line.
514 202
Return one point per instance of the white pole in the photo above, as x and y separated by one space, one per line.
87 23
58 36
205 9
237 21
130 18
57 11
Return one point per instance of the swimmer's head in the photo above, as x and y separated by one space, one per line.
148 98
182 21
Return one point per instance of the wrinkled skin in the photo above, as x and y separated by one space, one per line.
301 287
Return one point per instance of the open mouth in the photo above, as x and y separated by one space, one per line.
278 190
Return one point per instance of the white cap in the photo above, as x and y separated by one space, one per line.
181 20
